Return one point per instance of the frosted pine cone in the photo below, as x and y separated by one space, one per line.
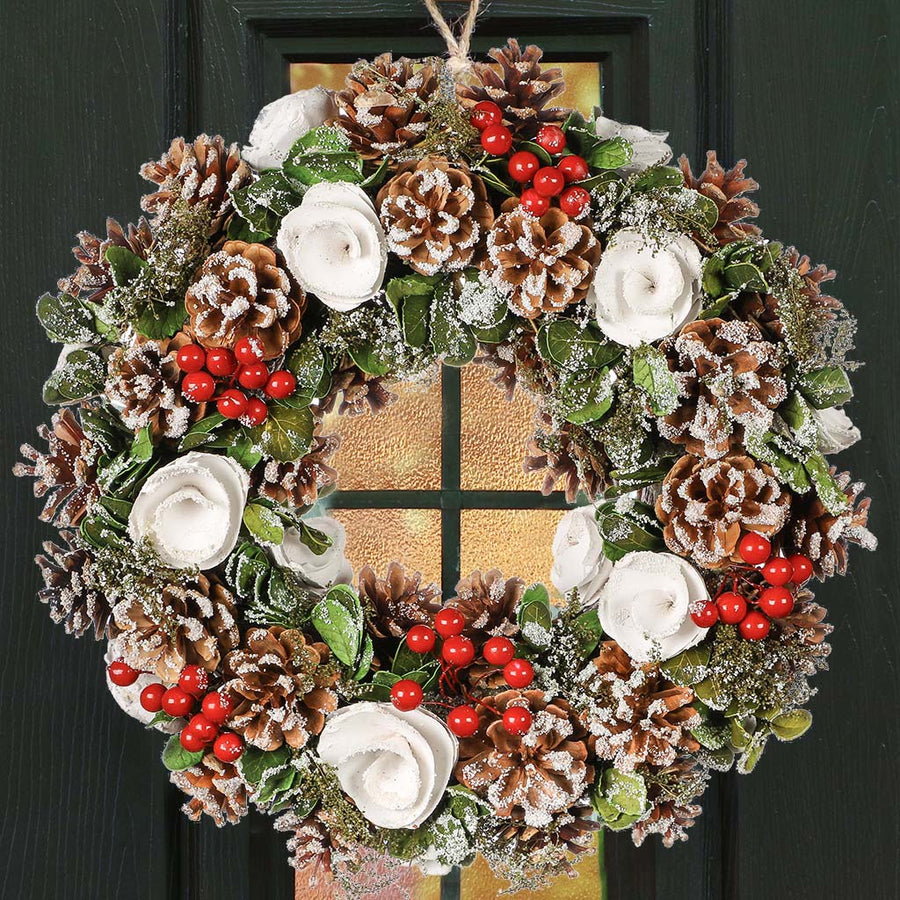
214 788
398 601
670 790
354 392
490 604
300 483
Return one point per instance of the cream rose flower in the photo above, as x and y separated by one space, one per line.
129 697
644 290
282 121
319 570
394 765
646 605
836 430
578 560
191 509
648 148
334 245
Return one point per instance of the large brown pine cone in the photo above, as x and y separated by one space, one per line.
214 788
384 107
398 601
574 830
520 88
189 624
637 715
533 777
489 603
281 686
66 474
540 264
300 483
93 277
436 216
670 790
242 291
728 377
706 504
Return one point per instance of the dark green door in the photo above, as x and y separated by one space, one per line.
805 89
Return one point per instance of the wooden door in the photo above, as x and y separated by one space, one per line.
805 89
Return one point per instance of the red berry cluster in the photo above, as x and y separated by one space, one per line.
774 602
524 166
243 366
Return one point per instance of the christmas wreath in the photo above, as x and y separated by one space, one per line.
689 377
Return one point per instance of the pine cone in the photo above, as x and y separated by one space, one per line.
824 537
706 504
144 381
398 601
501 360
242 291
540 264
384 107
435 216
310 843
521 89
637 715
807 620
205 171
670 790
534 777
726 190
489 603
728 377
190 624
68 588
300 483
574 830
93 277
355 392
281 687
66 473
214 788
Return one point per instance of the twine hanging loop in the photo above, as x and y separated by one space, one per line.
458 60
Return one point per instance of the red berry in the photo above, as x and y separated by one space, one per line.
463 721
755 626
228 747
253 376
194 680
151 697
549 182
485 114
257 412
517 720
281 384
449 621
217 707
498 651
574 168
552 139
121 674
706 616
191 358
534 202
732 608
220 361
198 387
754 548
574 200
778 571
249 350
518 673
522 166
801 567
420 639
458 651
496 140
232 404
177 703
190 741
776 602
406 694
203 728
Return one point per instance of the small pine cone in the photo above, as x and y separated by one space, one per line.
807 619
637 715
501 360
68 588
489 603
706 504
540 264
282 687
205 171
521 88
214 788
435 216
728 377
574 830
354 392
670 790
310 843
300 483
726 189
398 601
384 107
190 624
242 291
93 277
66 473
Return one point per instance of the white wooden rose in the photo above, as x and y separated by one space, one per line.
648 148
578 560
318 570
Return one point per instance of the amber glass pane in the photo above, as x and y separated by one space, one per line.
310 74
408 881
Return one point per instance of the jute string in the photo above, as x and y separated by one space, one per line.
457 47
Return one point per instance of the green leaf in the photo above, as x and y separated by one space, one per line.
405 660
744 276
263 524
493 181
378 176
286 434
161 320
142 447
125 265
543 156
254 763
324 154
414 318
534 616
267 201
316 540
175 758
627 529
160 718
620 794
451 339
82 375
611 154
365 659
412 285
587 400
308 365
651 372
67 320
826 387
829 491
788 726
719 306
369 360
242 451
201 433
688 667
339 627
700 211
589 632
658 177
576 348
